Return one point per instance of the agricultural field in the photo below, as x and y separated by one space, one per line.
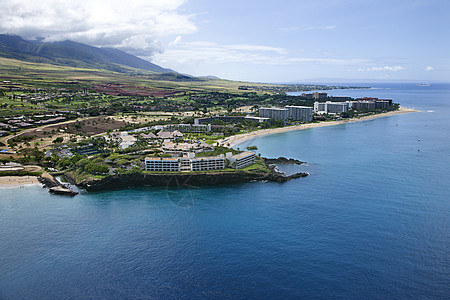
44 75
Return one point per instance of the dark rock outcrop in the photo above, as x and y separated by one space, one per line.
61 190
189 179
48 181
283 161
54 186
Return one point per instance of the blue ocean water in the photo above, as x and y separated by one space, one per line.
371 221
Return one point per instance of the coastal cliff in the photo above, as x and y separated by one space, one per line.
185 179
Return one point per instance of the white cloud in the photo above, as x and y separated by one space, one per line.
176 41
429 68
382 69
213 53
329 27
134 24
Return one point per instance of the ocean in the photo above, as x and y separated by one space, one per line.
371 221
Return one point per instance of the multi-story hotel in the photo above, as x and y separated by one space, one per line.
208 163
191 163
363 105
319 95
331 107
295 113
300 113
316 95
162 164
228 119
359 104
241 160
274 113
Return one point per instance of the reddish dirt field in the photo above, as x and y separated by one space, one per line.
88 127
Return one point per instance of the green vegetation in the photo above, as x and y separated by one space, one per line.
259 166
20 173
58 140
217 151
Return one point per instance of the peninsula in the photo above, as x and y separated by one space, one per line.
118 126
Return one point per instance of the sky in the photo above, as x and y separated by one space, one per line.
259 41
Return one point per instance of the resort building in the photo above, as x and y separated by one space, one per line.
162 164
331 107
228 120
274 113
362 105
241 160
208 163
291 112
372 99
123 138
165 135
383 103
316 95
319 95
300 113
189 163
369 103
188 127
149 136
256 119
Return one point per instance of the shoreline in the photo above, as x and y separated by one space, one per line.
27 180
18 181
240 138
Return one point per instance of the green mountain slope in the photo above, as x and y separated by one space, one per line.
68 53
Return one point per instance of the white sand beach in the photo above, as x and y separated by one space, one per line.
17 181
237 139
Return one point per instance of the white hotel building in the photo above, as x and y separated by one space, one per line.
300 113
331 107
162 164
241 160
295 113
208 163
190 163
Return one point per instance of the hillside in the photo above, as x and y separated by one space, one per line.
72 65
72 54
46 75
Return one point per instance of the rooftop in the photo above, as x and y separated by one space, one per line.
208 158
162 158
243 154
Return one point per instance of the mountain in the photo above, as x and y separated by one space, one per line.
73 54
209 77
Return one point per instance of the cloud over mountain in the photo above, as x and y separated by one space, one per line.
134 26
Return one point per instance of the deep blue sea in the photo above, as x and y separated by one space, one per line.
371 221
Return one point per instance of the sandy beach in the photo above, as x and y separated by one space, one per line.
17 181
237 139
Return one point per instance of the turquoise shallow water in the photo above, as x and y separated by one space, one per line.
371 221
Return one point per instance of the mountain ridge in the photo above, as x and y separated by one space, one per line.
74 54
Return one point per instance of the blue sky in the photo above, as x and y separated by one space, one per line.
264 41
